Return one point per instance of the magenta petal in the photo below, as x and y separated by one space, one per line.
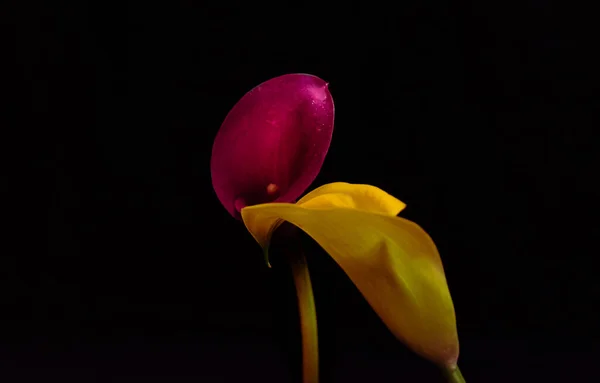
273 142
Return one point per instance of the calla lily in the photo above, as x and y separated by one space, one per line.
392 261
269 149
273 142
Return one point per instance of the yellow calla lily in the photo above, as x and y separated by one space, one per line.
392 261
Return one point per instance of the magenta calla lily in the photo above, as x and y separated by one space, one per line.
273 142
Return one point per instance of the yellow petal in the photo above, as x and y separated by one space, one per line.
355 196
392 261
338 194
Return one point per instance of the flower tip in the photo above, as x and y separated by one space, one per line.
266 255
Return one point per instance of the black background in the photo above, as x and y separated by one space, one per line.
120 264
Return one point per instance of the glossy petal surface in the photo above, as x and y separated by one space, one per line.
392 261
273 142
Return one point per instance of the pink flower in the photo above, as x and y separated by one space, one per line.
273 142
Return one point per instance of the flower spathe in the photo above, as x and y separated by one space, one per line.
272 144
392 261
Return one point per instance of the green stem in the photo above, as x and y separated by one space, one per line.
308 319
454 375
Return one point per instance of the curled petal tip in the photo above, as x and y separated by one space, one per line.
266 255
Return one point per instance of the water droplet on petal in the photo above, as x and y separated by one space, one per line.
272 189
